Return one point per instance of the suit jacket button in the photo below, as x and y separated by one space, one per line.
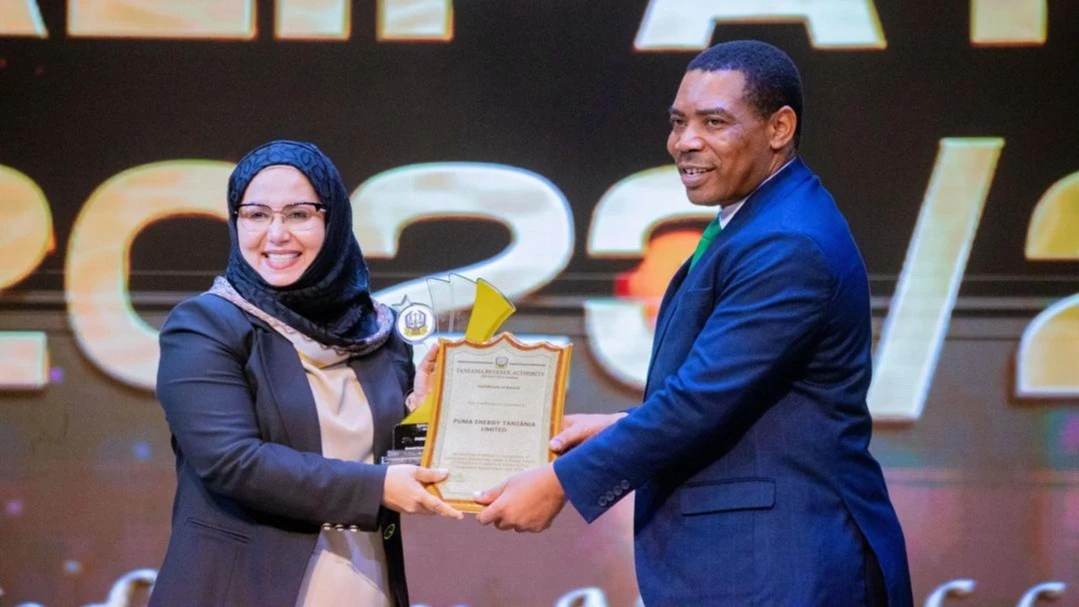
327 526
618 490
387 533
603 501
609 495
339 527
625 484
353 528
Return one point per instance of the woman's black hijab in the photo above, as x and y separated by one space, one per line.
331 302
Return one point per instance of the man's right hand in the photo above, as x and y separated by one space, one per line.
580 427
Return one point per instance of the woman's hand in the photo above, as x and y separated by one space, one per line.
425 372
404 491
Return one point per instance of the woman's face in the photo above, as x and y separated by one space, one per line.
281 238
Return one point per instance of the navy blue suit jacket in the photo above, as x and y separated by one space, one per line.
754 485
253 489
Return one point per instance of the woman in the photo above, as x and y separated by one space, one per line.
281 387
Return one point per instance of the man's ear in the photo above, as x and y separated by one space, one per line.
782 125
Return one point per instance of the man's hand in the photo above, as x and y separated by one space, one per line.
526 501
578 428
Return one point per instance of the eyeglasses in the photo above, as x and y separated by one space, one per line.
298 216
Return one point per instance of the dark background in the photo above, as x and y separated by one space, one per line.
986 484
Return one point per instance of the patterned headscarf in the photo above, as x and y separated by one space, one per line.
331 302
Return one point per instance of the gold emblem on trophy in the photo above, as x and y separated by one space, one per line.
416 322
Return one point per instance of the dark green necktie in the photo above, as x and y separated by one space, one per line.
707 237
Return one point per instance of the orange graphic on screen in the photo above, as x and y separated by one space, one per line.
662 258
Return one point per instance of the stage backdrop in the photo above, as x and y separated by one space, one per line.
524 142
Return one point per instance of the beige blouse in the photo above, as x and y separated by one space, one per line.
348 567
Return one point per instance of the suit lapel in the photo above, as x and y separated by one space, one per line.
384 396
666 312
287 383
668 305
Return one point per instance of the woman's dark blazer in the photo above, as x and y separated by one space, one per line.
253 490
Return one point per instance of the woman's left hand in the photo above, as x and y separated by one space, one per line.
405 490
425 376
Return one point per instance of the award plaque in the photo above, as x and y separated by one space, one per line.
456 302
496 404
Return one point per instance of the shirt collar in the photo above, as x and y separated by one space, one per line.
726 212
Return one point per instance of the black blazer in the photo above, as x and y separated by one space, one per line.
253 489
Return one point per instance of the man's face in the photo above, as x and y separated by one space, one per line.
720 144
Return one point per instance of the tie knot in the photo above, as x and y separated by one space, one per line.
707 237
712 230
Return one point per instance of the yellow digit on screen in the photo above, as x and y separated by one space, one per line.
211 19
107 328
534 211
27 223
1048 360
618 330
313 19
920 310
688 24
415 20
1008 22
21 18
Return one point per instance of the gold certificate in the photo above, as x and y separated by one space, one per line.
496 406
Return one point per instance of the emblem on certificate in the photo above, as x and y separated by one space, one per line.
496 405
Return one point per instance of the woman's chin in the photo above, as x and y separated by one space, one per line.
279 279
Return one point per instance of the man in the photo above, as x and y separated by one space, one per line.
749 459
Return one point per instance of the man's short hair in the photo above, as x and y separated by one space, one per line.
772 79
